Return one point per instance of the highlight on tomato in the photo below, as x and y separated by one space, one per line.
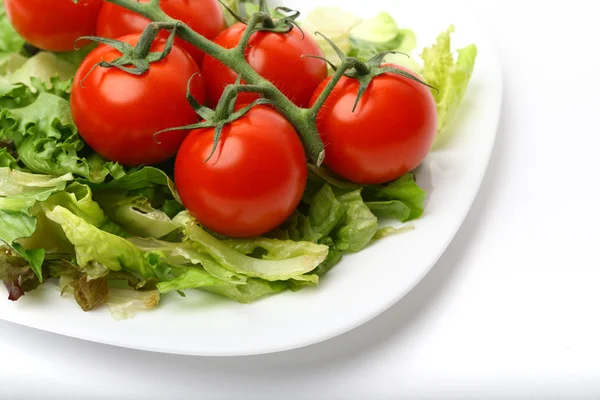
252 182
203 16
389 133
278 57
118 113
53 25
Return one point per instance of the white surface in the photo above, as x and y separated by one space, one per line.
509 312
359 288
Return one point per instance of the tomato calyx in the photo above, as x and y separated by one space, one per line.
263 20
364 72
136 60
225 112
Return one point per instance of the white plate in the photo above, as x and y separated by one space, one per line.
358 289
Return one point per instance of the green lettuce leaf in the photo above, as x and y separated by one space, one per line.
380 34
94 246
136 214
47 141
404 190
18 225
19 192
360 225
10 41
7 159
44 66
293 268
448 76
195 269
251 290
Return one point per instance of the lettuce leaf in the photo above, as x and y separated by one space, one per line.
43 66
10 41
380 34
249 291
47 142
293 268
94 246
449 76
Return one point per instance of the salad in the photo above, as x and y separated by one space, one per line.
242 153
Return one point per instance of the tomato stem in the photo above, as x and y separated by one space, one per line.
303 120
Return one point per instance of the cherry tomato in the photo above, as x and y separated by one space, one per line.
277 57
204 16
254 180
118 113
53 25
389 134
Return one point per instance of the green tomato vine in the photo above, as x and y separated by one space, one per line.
302 119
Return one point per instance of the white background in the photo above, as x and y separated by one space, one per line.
512 309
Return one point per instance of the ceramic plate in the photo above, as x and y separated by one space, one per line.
362 285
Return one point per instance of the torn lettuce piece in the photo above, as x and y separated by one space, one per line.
293 268
333 22
360 225
16 273
18 225
247 292
124 303
449 76
136 214
94 246
405 190
44 66
380 34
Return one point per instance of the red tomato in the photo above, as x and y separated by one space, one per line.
389 134
204 16
277 57
252 183
55 25
118 113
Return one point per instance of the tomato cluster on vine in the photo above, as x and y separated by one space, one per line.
369 123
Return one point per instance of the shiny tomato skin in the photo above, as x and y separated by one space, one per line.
203 16
53 25
389 134
277 57
253 182
118 113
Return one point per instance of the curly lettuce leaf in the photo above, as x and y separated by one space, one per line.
47 142
449 76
